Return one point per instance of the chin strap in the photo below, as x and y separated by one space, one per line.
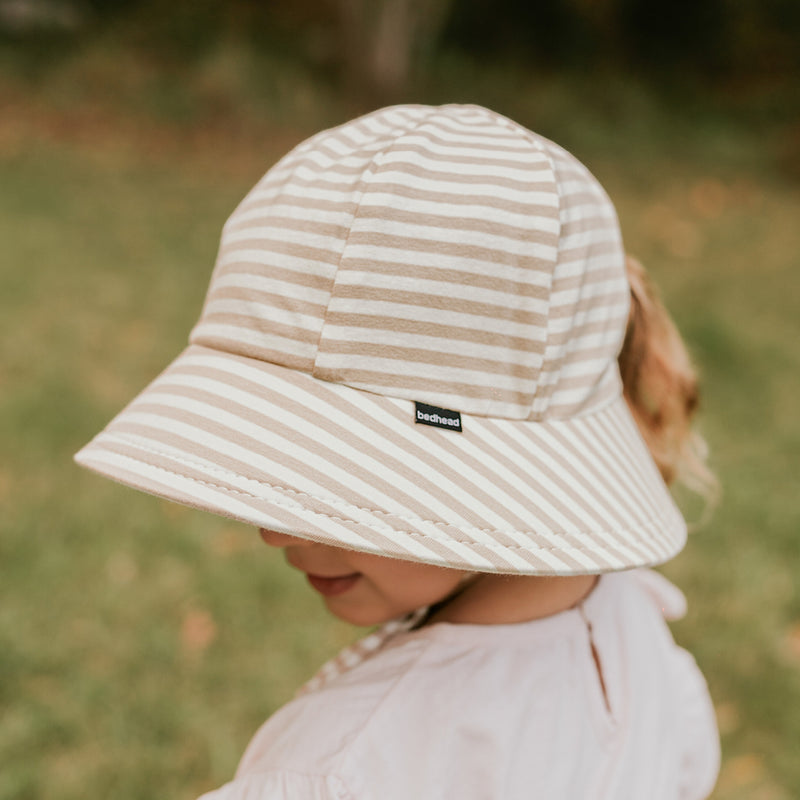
361 650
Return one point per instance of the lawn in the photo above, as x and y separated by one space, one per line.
142 643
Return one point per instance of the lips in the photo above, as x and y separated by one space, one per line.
329 587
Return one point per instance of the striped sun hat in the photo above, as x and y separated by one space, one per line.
409 348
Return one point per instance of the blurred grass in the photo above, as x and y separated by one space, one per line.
142 643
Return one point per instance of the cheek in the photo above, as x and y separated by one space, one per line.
414 586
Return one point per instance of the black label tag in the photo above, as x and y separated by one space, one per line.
438 417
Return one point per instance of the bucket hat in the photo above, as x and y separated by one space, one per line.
409 347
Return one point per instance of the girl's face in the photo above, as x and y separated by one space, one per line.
366 589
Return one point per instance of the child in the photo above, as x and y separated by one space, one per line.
406 375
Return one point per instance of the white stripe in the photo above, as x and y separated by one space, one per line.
477 350
588 315
268 285
239 336
264 196
365 254
284 235
589 239
300 264
291 211
526 197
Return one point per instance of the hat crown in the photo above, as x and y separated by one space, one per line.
445 255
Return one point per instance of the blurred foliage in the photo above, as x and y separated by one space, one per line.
385 46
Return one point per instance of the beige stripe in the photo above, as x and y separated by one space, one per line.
482 128
520 186
589 222
455 164
279 301
583 331
597 304
429 302
439 249
426 387
466 198
445 332
273 247
565 283
494 282
310 279
521 149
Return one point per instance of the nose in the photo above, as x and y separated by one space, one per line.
275 539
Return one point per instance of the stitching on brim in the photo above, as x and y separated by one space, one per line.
450 539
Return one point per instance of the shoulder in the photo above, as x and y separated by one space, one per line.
430 700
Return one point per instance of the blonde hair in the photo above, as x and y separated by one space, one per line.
661 388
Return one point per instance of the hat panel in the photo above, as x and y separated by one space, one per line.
281 247
589 298
442 294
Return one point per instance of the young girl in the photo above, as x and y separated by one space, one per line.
406 376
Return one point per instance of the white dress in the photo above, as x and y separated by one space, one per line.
484 712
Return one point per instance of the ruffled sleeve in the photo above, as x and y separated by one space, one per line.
281 785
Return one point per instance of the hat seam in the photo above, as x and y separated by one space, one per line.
334 501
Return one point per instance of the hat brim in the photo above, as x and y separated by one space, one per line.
282 450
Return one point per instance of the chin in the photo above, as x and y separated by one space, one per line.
360 616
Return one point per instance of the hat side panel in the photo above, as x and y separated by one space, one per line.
442 292
589 300
281 247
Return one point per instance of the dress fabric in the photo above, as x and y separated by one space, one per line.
484 712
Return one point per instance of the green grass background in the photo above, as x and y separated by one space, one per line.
142 643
